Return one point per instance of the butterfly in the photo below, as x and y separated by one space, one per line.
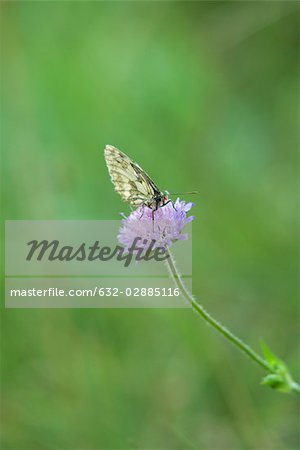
132 183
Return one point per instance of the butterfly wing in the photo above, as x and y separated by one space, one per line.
129 179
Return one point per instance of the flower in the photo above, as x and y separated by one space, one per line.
165 229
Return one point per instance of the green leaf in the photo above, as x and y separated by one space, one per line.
280 377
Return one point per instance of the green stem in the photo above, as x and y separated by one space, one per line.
295 387
217 325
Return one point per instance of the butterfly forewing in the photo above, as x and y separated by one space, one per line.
129 179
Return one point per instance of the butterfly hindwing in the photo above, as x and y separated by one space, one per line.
129 179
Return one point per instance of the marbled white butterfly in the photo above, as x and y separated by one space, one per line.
132 182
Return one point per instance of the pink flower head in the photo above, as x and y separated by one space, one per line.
166 228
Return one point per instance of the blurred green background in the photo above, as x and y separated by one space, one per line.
205 97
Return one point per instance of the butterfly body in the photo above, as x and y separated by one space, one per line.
132 183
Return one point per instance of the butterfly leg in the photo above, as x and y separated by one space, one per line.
153 211
169 201
143 206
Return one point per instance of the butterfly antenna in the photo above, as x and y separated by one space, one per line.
182 193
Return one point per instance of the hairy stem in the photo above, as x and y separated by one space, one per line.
217 325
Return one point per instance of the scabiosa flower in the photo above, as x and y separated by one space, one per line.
166 228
